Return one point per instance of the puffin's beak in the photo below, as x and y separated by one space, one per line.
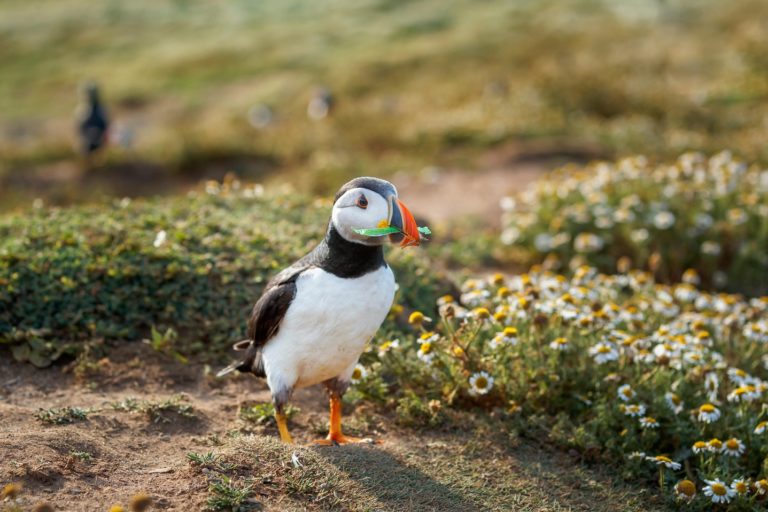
402 219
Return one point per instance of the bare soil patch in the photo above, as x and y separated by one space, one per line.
116 452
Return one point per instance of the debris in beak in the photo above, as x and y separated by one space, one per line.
402 226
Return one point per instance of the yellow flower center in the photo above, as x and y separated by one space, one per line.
707 408
732 444
561 341
426 347
740 487
686 487
700 445
510 332
482 313
603 349
627 392
503 292
716 444
356 374
416 318
718 489
675 399
662 458
481 383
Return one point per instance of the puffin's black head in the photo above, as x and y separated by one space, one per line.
366 203
90 92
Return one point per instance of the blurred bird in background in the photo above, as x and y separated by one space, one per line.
92 121
321 104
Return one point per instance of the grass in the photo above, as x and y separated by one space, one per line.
479 470
163 411
62 416
651 77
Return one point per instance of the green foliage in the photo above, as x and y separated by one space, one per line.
162 411
227 495
62 416
263 413
710 216
82 456
618 368
192 265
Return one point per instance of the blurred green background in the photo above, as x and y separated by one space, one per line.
198 89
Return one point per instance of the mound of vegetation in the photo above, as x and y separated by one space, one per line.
709 215
194 263
665 382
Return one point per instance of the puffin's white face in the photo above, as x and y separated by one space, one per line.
361 208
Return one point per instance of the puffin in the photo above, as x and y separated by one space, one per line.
314 318
92 121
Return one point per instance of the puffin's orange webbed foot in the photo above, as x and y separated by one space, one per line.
335 437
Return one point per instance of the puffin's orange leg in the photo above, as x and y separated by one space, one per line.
282 426
334 435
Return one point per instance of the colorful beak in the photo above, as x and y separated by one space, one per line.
403 220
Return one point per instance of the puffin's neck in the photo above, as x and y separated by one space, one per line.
347 259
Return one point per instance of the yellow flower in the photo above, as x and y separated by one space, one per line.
458 351
685 489
481 313
417 318
10 491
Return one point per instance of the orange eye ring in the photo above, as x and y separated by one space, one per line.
362 202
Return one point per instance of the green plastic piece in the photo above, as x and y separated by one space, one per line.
424 230
377 231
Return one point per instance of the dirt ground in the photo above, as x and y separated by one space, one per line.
115 454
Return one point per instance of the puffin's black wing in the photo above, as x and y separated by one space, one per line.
265 320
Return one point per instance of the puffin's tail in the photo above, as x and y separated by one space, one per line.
251 362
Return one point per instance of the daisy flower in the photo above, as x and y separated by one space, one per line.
636 455
700 447
481 313
711 385
603 352
358 374
508 335
740 485
559 344
715 445
733 447
674 402
718 492
160 238
417 318
761 427
761 487
626 393
663 460
480 383
426 352
634 410
708 413
685 490
428 337
648 422
388 346
745 393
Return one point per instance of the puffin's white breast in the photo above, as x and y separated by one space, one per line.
327 326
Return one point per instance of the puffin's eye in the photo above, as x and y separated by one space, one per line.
362 202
